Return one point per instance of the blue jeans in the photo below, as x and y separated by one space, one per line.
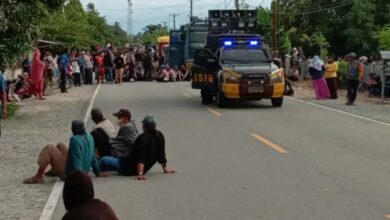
109 164
108 73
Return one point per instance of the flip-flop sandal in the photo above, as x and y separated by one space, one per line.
50 173
33 181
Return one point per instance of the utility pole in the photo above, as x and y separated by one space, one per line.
191 10
165 23
237 4
174 15
273 8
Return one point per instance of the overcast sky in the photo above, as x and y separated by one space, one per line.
157 11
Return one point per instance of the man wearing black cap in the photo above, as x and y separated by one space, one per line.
149 148
122 144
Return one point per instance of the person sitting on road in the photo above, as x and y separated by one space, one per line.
149 148
79 200
103 131
63 162
167 74
122 144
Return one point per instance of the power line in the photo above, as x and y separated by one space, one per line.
174 15
338 5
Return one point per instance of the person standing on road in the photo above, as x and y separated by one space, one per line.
316 70
83 66
99 60
149 148
75 61
88 70
79 201
3 100
63 63
354 75
49 60
36 76
108 65
26 64
331 69
119 65
63 162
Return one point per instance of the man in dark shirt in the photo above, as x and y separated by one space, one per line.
108 65
149 148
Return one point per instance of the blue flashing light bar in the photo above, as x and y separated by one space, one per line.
254 43
228 43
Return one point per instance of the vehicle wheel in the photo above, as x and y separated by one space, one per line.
207 97
221 100
277 102
69 82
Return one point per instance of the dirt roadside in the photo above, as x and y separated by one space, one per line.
365 106
36 124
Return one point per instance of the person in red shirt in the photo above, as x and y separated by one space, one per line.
100 64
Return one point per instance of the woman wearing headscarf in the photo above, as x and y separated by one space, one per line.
331 77
79 200
36 76
316 70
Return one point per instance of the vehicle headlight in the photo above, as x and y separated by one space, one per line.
231 77
277 76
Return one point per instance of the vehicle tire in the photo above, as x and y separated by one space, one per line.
69 82
277 102
221 100
207 97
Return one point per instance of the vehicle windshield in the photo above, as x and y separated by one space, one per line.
244 56
198 39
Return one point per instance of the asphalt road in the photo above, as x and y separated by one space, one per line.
250 161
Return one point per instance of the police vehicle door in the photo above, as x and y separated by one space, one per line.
204 69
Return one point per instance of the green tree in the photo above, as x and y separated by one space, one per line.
360 28
319 42
384 38
69 26
152 32
20 28
264 27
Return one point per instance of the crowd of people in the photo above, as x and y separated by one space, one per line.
324 75
102 150
105 65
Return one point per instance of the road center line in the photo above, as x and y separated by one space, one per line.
263 140
214 112
186 94
55 194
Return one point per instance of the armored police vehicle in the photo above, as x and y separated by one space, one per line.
236 66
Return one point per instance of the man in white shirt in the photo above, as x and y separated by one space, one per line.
103 131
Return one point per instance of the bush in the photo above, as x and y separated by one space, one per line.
11 109
342 73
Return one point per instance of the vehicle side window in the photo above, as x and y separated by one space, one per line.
201 57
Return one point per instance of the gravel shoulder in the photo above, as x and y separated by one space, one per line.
365 106
37 123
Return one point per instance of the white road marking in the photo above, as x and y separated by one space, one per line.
340 111
55 194
186 94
